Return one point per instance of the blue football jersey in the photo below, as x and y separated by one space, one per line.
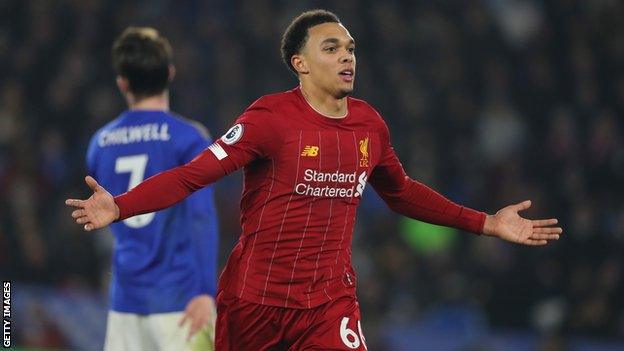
163 259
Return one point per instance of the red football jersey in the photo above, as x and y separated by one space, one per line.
304 176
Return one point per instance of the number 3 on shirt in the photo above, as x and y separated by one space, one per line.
349 337
135 165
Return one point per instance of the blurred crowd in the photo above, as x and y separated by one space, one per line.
490 102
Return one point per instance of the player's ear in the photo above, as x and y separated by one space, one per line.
123 85
172 73
299 63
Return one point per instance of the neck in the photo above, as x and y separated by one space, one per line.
154 102
324 103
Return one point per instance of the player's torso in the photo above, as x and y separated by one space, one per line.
298 207
154 250
134 147
320 169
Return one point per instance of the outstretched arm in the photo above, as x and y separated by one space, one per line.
508 225
155 193
416 200
420 202
260 139
413 199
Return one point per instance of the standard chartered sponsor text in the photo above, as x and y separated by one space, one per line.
338 189
312 175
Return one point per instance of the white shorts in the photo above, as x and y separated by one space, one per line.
153 332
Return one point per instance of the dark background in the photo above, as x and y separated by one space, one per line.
489 102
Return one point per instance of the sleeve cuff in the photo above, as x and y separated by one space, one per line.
472 220
124 207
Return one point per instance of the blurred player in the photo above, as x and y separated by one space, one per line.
307 155
163 282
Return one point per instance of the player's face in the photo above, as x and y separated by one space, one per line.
330 56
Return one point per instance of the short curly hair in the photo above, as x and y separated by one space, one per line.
296 34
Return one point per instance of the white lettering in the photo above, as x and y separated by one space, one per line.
361 184
155 135
299 190
326 191
6 300
6 313
331 192
123 135
134 134
146 129
7 333
311 175
308 175
164 132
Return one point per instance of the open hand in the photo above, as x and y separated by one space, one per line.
97 211
507 224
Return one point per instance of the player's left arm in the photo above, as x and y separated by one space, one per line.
416 200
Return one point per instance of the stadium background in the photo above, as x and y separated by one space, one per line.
490 102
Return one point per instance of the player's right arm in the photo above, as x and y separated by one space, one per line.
155 193
254 138
416 200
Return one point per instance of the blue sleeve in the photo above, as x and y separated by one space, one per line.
204 216
197 141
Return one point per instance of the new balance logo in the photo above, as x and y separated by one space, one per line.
311 151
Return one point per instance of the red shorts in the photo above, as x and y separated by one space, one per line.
246 326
